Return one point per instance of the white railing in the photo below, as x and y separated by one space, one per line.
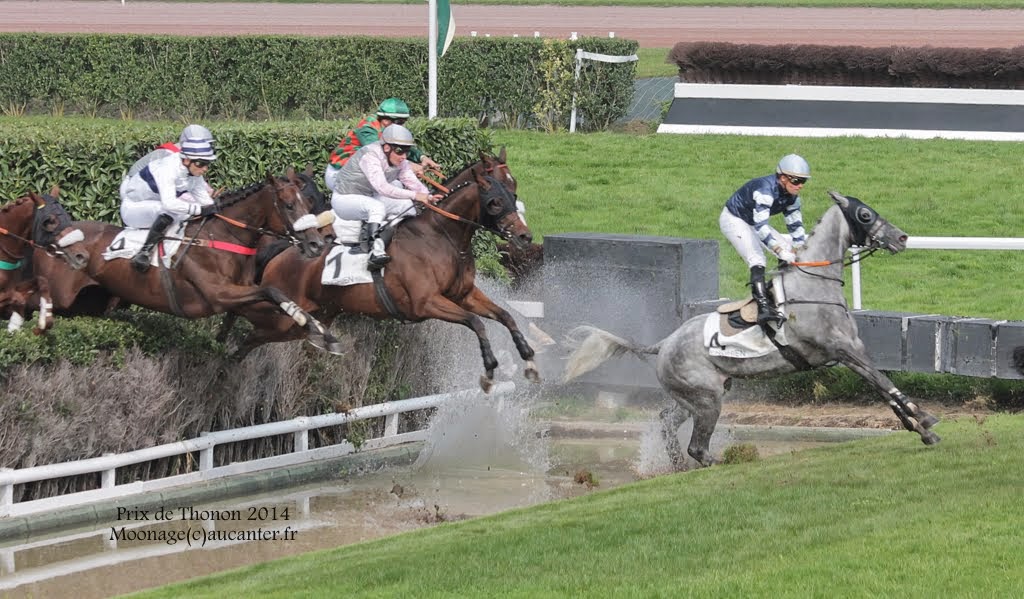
942 243
107 465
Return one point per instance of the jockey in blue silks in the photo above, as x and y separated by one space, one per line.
744 222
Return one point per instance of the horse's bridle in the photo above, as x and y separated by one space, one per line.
49 249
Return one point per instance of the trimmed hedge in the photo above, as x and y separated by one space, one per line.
244 77
88 157
720 62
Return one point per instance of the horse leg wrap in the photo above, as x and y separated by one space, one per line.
293 310
900 408
15 323
44 312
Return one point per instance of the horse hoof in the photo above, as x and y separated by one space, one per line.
532 375
704 458
930 438
486 383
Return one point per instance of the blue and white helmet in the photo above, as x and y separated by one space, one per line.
196 141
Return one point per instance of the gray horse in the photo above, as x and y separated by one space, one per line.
820 330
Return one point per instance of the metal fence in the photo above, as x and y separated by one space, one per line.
107 465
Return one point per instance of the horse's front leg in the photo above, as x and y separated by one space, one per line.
441 308
481 305
905 410
39 299
233 297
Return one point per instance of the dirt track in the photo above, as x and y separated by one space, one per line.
652 27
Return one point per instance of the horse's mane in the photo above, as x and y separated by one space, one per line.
234 196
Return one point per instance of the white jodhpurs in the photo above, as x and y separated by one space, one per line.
373 210
744 238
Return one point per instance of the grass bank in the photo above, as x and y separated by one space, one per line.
875 518
676 185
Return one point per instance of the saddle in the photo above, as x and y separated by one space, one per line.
741 314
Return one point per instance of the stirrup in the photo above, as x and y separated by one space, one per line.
377 261
141 261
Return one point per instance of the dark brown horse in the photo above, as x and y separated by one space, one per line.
431 274
34 221
213 271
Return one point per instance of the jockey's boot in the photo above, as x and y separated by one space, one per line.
140 261
766 312
378 255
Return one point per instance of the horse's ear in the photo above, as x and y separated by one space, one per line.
481 179
309 169
290 173
271 178
55 191
839 198
501 155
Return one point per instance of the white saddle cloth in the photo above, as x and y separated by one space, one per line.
748 343
343 267
128 242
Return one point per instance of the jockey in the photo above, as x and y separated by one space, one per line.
744 222
364 189
167 186
390 111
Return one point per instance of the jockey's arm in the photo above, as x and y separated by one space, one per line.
165 174
407 175
795 223
200 190
374 172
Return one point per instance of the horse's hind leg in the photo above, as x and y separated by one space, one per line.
672 418
481 305
706 410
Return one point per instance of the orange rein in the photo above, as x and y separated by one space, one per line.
810 264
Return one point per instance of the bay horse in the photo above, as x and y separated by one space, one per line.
431 275
819 329
34 221
213 271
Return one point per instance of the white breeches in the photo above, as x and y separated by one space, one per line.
139 210
743 237
373 210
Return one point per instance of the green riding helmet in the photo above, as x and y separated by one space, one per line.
393 108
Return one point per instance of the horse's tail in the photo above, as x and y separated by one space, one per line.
1018 359
594 347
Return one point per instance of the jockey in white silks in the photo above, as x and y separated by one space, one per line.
365 187
167 186
744 222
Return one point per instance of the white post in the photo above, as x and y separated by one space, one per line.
572 36
391 425
301 441
432 59
108 478
206 455
6 491
579 63
855 276
536 34
611 34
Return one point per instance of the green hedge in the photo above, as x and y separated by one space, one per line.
88 157
244 77
927 66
